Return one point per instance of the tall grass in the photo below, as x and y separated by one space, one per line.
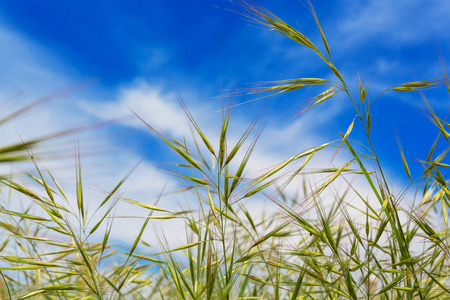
317 245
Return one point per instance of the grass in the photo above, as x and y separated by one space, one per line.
317 245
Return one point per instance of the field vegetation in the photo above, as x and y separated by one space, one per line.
316 245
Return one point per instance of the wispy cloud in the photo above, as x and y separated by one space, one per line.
396 24
159 109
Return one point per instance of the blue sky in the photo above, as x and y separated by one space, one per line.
144 52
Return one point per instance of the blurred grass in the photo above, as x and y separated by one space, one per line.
319 245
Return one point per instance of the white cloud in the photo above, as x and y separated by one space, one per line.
26 64
393 22
160 110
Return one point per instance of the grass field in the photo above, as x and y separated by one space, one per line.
383 244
